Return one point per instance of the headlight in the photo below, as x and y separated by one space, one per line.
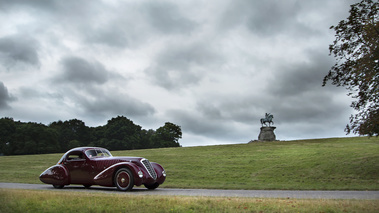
140 174
164 173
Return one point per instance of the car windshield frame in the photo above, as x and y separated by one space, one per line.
98 153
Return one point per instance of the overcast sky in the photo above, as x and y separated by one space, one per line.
212 67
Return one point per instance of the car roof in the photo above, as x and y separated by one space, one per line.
83 149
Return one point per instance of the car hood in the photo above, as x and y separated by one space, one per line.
103 163
127 159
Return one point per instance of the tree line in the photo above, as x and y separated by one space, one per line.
120 133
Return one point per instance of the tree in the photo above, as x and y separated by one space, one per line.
71 130
34 138
122 133
356 49
7 131
167 136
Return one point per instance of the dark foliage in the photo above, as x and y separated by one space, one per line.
119 133
356 49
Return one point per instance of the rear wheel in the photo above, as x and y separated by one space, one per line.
124 179
58 186
87 186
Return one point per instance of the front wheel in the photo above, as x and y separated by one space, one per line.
151 186
124 179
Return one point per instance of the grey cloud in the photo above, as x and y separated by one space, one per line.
179 66
100 102
19 49
26 92
169 78
270 18
5 97
310 108
69 8
193 123
112 35
241 109
80 71
167 18
198 124
86 21
298 77
111 104
42 4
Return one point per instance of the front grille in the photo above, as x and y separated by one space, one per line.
149 168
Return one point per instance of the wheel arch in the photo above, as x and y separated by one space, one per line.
133 168
106 177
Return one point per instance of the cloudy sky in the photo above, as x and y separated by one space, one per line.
212 67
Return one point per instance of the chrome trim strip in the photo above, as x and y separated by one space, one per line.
97 176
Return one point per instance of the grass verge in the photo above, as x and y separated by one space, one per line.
319 164
12 200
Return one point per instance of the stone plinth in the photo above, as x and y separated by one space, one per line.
267 133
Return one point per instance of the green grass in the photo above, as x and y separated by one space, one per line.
12 200
319 164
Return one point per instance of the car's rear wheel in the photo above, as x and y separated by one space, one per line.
124 179
152 186
58 186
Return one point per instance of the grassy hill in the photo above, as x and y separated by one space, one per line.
320 164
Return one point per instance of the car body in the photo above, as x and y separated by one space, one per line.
96 166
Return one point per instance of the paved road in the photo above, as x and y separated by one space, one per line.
366 195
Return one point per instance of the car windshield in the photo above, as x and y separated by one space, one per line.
97 153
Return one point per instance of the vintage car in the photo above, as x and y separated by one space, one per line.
96 166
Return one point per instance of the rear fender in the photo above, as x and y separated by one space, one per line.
56 175
105 178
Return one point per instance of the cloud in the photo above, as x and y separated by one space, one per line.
83 84
17 49
214 68
179 66
111 104
167 18
80 71
266 18
111 35
5 97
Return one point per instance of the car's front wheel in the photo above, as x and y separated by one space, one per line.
58 186
124 179
152 186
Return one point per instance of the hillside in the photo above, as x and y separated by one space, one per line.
320 164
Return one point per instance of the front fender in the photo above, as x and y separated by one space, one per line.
161 173
56 175
105 178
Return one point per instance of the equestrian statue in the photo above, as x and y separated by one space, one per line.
268 119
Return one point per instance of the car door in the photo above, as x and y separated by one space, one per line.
77 167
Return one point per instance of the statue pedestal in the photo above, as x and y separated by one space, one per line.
267 133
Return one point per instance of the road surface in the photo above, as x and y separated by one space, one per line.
364 195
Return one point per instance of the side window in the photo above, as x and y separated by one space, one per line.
91 153
75 156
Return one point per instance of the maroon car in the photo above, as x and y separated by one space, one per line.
96 166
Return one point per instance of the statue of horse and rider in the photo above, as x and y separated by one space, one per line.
268 119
